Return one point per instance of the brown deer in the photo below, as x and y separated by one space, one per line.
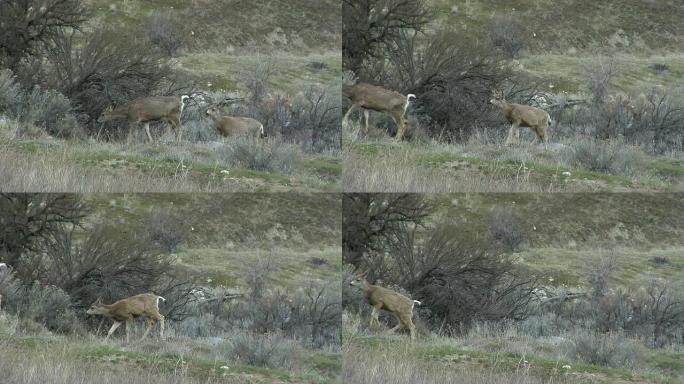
382 298
146 109
374 98
230 126
523 116
126 310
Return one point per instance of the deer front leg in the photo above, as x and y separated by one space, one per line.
128 331
346 115
147 129
512 133
150 324
366 117
374 315
113 328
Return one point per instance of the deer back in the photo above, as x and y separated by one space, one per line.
375 98
390 300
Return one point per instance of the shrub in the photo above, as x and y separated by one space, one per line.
315 121
260 155
50 306
607 349
164 230
507 34
607 156
505 226
268 350
47 109
11 95
161 32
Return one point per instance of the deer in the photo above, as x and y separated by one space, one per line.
520 115
374 98
382 298
230 126
126 310
147 109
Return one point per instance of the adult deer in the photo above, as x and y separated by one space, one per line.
382 298
374 98
126 310
230 126
523 116
147 109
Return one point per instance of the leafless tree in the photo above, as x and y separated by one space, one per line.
370 26
28 219
26 26
368 221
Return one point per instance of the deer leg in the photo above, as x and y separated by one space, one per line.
399 324
128 331
113 328
408 323
161 327
366 116
150 324
147 129
512 133
374 316
176 124
346 115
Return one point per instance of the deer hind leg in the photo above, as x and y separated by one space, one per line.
113 328
176 124
408 323
366 118
161 327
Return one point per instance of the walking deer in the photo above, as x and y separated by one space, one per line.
230 126
382 298
147 109
374 98
523 116
126 310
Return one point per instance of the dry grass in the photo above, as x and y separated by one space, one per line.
56 365
400 366
402 173
49 173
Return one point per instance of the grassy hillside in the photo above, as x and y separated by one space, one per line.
565 239
223 239
561 44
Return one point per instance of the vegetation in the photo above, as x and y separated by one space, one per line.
55 83
590 291
254 298
614 111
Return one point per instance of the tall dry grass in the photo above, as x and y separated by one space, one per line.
58 365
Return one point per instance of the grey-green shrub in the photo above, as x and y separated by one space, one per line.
260 155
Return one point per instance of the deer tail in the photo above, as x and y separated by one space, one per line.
409 96
162 299
418 302
183 97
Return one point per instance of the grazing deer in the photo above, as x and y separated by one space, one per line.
230 126
146 109
126 310
382 298
373 98
523 116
